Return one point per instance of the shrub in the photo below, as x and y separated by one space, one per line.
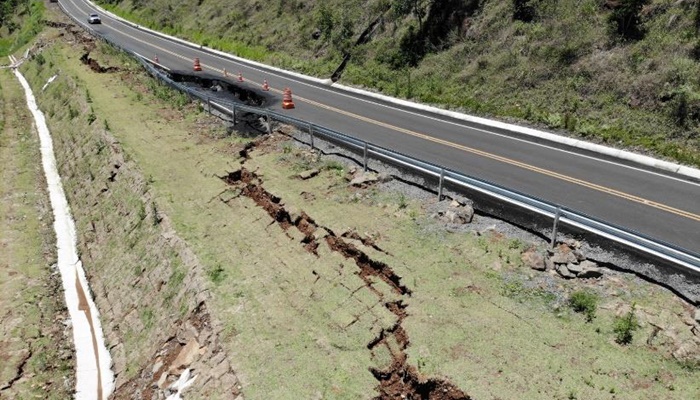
216 274
91 116
584 302
624 327
626 19
523 11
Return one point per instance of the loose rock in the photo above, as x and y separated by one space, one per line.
364 178
533 259
308 174
564 271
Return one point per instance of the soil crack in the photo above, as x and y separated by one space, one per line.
20 371
399 379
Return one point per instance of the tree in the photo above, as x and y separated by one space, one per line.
419 9
697 17
523 10
626 19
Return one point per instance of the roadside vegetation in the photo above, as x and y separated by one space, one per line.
20 22
165 218
35 338
624 73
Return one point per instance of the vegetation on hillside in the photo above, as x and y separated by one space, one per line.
20 22
621 72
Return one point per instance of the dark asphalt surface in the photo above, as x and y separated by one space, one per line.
631 197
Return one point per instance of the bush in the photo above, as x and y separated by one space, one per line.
624 327
626 20
523 10
584 302
216 274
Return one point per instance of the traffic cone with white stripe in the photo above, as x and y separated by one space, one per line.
155 59
240 77
287 102
197 66
265 86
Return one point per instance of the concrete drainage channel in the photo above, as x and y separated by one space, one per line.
399 379
94 377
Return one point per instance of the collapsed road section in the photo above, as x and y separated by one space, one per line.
399 379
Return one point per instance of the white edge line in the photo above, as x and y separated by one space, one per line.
576 143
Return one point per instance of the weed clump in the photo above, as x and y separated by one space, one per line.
624 327
584 302
216 274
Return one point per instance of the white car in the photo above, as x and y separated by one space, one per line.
94 19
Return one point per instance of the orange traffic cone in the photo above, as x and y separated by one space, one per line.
266 87
287 101
240 77
155 59
197 66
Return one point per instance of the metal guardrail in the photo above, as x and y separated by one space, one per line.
559 215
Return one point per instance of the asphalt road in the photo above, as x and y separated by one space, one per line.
656 204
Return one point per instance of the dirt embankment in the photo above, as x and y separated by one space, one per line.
36 348
146 281
399 379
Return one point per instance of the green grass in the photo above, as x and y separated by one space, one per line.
475 315
584 302
624 327
29 23
30 296
121 243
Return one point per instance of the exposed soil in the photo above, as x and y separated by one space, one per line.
399 380
194 341
212 82
95 66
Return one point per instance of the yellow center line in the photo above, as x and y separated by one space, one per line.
505 160
519 164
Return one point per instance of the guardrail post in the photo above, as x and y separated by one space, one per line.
208 105
554 228
442 179
364 158
269 122
311 134
233 113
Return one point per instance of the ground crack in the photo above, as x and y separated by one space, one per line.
20 371
399 380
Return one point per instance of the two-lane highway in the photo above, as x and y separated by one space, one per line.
655 204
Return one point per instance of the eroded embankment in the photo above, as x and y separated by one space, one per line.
146 281
399 379
94 377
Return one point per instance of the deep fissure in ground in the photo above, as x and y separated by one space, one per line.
400 379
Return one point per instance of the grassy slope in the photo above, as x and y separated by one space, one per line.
123 248
282 324
476 316
23 25
563 71
33 338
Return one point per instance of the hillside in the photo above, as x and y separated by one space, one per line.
620 72
256 264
